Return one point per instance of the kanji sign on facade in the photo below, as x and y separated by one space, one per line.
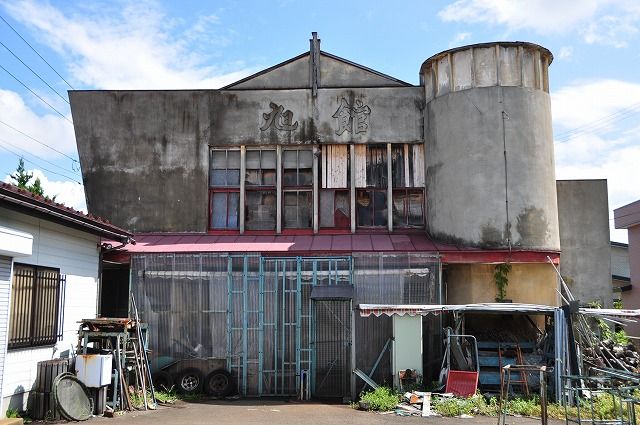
354 119
279 119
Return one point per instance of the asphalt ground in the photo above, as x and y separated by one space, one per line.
279 412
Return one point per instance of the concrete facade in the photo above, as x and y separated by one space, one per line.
584 237
482 113
628 217
488 124
528 283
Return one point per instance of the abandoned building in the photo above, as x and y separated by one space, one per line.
267 211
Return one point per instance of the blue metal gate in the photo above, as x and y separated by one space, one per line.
270 319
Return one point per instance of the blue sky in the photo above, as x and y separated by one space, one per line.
594 78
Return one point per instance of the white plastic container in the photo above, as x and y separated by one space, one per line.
94 370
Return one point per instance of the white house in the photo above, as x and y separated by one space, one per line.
49 280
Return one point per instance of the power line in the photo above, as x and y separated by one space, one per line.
34 73
39 166
36 52
36 156
599 124
37 95
38 141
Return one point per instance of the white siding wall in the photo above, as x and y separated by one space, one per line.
75 253
5 287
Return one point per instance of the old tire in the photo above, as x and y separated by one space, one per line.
162 381
189 381
218 383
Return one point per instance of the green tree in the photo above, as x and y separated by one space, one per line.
22 178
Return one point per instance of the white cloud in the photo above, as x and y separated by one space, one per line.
459 38
50 129
136 47
610 22
602 144
68 193
565 52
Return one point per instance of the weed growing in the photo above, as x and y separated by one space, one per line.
381 399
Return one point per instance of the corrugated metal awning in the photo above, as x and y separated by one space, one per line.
321 244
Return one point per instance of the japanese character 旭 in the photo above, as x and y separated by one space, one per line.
348 115
279 119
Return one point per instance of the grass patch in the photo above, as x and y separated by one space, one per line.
12 413
381 399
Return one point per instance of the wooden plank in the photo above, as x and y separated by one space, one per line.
360 165
418 165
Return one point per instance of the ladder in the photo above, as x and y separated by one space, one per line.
513 352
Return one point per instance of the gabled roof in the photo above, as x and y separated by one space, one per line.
298 66
26 202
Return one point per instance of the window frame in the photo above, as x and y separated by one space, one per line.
213 189
297 188
250 188
32 332
408 175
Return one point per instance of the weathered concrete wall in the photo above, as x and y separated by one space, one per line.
334 72
528 283
144 154
392 115
585 262
144 157
467 190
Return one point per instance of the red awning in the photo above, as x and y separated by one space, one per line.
328 244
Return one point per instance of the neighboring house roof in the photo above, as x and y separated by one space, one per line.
627 216
24 201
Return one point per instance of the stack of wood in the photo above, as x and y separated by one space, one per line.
609 354
415 403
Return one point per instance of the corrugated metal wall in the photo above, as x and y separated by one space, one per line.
257 313
5 292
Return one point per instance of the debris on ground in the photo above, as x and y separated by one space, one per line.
614 355
415 403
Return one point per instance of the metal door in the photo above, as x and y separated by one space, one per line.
332 348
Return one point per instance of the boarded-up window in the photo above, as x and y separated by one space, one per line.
407 169
260 190
334 207
224 189
371 203
37 305
297 185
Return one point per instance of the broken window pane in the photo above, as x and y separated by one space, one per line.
376 159
297 209
260 209
371 208
297 167
334 209
408 208
260 168
398 166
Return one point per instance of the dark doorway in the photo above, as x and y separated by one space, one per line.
114 292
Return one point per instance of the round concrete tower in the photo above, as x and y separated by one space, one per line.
489 147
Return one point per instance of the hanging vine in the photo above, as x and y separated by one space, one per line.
501 279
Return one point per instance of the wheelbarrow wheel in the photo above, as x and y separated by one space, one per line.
218 383
189 381
162 381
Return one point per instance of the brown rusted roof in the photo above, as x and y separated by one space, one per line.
12 196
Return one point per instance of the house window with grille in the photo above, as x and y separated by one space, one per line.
260 189
407 168
371 181
224 189
37 306
297 186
